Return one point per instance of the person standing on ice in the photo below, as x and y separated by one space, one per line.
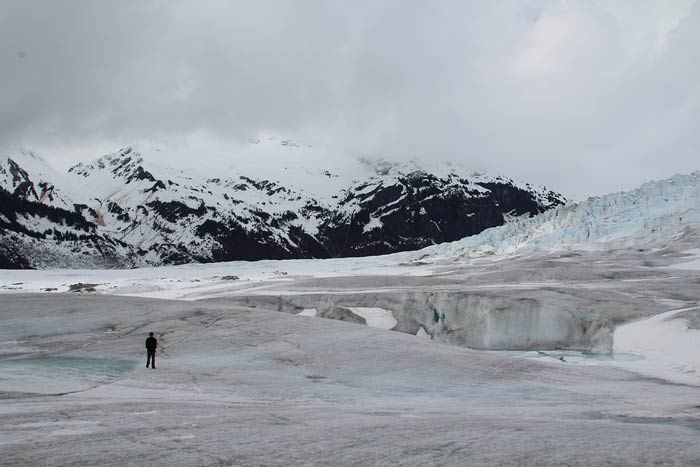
151 344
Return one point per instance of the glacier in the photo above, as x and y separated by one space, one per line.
569 338
242 386
651 216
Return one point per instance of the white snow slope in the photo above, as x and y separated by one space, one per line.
665 341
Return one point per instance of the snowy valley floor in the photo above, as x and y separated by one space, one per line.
241 384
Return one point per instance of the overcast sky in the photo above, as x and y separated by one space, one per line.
587 97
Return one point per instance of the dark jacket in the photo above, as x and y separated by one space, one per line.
151 344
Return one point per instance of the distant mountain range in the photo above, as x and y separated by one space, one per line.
122 211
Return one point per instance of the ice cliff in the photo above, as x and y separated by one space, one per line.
651 216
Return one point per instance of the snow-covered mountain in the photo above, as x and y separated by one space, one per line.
28 176
42 225
136 212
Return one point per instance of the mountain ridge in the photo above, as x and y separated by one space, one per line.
142 214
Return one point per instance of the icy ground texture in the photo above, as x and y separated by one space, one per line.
257 388
575 300
571 300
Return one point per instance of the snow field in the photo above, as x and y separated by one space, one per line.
671 350
376 317
308 312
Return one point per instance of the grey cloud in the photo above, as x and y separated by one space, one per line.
586 97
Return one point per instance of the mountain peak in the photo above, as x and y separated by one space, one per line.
29 176
29 161
126 164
